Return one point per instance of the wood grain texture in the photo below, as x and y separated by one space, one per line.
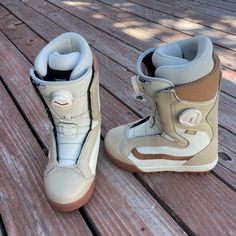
200 17
195 6
220 4
227 6
129 197
181 25
16 72
171 10
201 200
24 208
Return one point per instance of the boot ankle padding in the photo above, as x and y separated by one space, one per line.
203 89
66 42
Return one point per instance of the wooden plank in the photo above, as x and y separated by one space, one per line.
18 70
121 88
131 198
173 8
24 207
218 4
144 10
137 31
186 14
195 6
207 206
180 12
200 17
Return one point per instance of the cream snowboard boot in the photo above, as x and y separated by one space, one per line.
65 75
180 81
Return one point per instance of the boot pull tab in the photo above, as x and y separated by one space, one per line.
190 117
138 90
62 99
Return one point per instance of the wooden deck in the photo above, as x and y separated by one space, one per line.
123 203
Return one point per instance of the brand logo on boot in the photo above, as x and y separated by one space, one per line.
62 99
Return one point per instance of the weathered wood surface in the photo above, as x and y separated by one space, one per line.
187 27
190 200
213 11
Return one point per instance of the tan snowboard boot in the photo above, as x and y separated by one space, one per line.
180 81
65 75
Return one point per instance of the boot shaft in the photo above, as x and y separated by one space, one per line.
66 78
174 84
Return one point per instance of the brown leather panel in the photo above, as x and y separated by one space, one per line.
141 156
203 89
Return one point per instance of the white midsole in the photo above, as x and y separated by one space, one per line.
170 165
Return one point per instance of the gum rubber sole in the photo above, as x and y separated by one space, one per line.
135 169
74 205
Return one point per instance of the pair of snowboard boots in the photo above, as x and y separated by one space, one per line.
180 83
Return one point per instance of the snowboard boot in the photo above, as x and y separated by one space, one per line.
65 75
180 82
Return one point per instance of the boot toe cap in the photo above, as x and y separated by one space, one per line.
113 141
65 187
114 149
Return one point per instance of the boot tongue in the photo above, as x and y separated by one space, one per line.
167 55
60 66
